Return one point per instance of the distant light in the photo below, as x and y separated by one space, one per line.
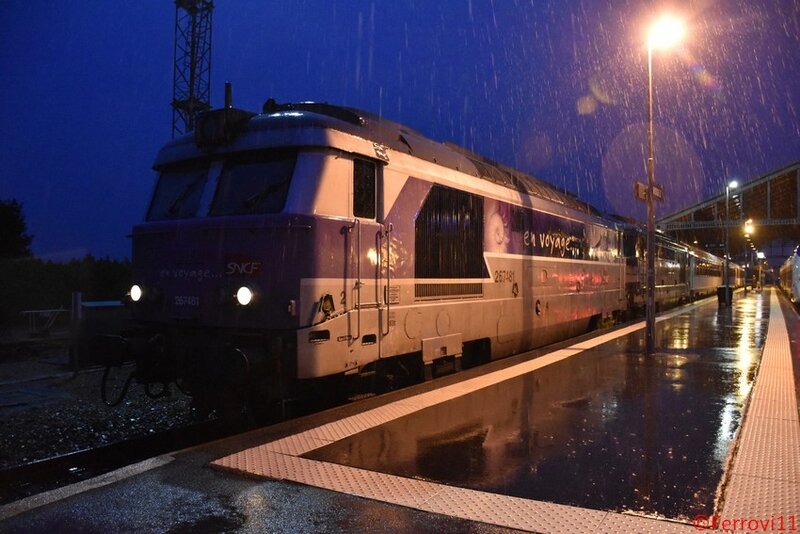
587 105
666 32
135 293
244 296
734 184
760 255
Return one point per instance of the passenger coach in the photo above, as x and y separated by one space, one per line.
790 276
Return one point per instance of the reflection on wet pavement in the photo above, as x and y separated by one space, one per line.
606 429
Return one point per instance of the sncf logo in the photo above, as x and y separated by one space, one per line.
239 266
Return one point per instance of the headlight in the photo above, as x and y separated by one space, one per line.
244 296
135 293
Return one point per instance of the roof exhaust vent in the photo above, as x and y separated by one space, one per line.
221 126
228 95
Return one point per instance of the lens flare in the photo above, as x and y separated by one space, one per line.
702 76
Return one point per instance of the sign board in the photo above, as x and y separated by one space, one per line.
640 191
658 193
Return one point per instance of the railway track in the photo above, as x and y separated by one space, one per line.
39 476
44 475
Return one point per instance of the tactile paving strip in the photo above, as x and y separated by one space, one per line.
764 480
632 523
511 512
750 497
282 460
769 448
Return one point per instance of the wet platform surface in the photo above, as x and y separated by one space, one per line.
607 429
556 443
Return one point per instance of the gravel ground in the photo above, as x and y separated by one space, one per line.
47 410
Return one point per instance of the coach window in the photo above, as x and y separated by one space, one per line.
364 188
632 247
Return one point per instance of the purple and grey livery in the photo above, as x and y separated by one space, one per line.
314 241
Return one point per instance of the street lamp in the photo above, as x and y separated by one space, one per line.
748 227
731 185
664 33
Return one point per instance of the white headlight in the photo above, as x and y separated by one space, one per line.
135 293
244 296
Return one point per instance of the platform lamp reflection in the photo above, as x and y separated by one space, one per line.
748 234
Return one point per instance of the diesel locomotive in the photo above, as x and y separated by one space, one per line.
312 242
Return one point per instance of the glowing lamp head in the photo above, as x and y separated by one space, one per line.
244 295
135 293
326 304
666 32
733 184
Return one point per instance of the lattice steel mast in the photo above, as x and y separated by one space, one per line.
191 91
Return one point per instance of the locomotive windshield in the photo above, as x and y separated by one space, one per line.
258 184
178 193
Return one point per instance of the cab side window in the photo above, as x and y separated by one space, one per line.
364 188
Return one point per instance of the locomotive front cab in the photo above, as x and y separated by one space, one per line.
250 246
214 236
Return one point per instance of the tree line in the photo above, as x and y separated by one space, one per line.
30 283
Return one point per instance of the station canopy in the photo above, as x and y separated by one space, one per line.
770 202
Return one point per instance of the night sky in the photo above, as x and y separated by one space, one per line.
554 88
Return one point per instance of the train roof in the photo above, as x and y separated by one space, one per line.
397 137
403 139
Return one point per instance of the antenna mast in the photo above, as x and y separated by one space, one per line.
191 91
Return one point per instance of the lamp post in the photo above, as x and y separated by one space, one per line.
748 232
731 185
663 34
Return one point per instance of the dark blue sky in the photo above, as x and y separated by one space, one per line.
555 88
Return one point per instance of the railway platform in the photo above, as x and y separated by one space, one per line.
590 435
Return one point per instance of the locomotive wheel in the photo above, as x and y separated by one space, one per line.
399 372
